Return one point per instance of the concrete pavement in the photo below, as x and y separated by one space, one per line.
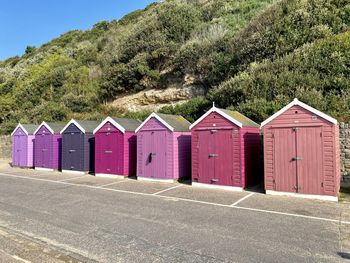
93 219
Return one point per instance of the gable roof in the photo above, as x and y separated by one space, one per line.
174 123
297 102
53 127
122 124
233 116
84 126
28 129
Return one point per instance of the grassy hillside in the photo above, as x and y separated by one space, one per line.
252 55
76 73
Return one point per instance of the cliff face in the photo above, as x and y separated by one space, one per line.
155 99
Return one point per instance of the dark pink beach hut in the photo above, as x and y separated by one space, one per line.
225 150
301 153
23 145
48 146
115 147
163 148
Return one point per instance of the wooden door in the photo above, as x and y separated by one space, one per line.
206 160
22 150
154 145
46 151
310 160
284 159
16 150
224 160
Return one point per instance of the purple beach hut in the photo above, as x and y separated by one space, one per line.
48 146
23 145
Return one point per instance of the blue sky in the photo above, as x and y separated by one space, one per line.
36 22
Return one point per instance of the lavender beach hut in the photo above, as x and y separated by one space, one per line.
23 145
163 148
48 146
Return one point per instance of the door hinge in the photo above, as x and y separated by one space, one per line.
322 184
273 135
320 134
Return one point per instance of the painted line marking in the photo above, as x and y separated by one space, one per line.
20 259
168 189
104 185
183 199
242 199
65 180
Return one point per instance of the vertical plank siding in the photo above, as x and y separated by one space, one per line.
115 152
172 151
315 140
237 152
182 154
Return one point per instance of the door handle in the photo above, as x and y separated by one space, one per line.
214 180
297 158
71 151
213 155
108 151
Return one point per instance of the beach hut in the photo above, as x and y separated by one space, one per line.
225 150
163 148
301 153
23 145
48 146
78 146
115 147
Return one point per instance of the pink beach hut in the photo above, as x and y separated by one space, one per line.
23 145
163 148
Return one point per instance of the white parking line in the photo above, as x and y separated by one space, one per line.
242 199
168 189
104 185
20 259
65 180
182 199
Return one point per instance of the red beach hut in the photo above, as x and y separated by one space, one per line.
23 145
48 146
301 153
163 148
115 147
225 150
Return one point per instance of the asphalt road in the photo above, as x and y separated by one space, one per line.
53 217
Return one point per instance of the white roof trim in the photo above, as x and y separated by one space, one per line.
72 121
109 119
47 127
223 114
297 102
154 115
19 126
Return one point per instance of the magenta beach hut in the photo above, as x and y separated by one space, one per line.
23 145
115 147
48 146
163 148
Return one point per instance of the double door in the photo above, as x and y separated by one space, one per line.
298 160
20 150
73 151
216 149
154 154
109 153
